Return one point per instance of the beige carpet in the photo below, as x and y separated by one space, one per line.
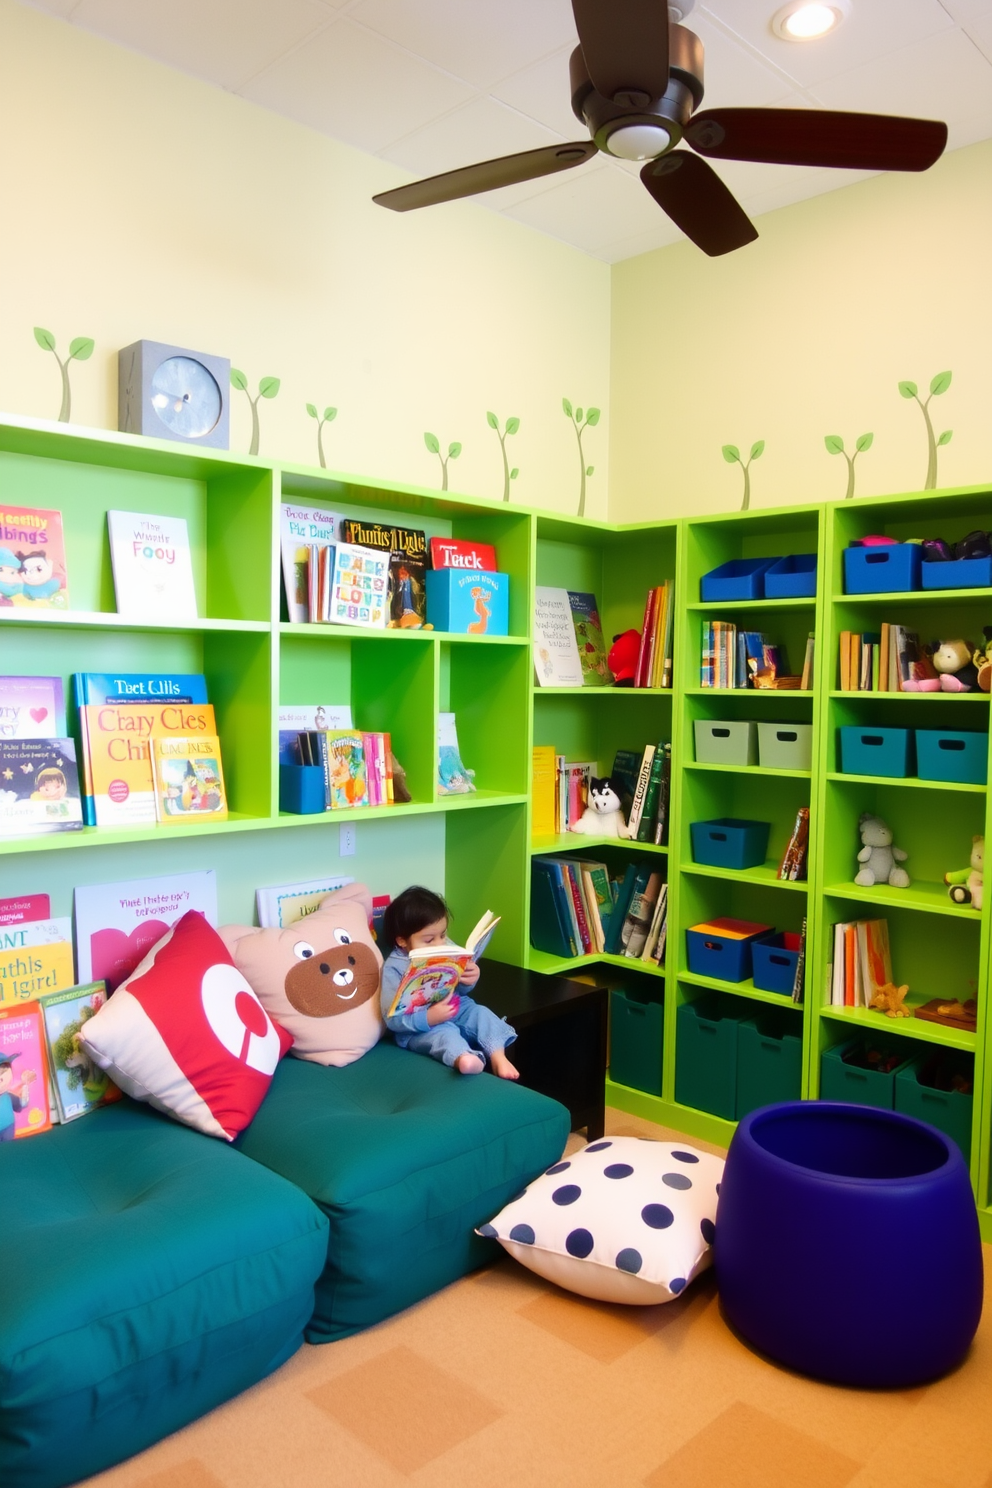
502 1381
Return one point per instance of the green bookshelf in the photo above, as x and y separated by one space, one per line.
477 848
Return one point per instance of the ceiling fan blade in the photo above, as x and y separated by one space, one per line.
508 170
698 202
625 47
818 137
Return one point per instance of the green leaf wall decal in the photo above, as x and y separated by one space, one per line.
454 450
567 406
239 380
592 417
512 425
908 389
330 414
864 441
730 453
945 438
312 410
433 443
940 384
834 444
757 449
81 348
44 338
492 421
268 387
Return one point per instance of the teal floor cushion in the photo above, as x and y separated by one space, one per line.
405 1157
149 1273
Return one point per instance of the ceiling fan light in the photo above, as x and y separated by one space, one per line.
641 141
807 21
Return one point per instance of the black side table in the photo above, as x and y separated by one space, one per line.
560 1048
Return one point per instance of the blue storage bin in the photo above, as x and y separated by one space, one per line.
967 573
774 964
741 578
875 751
729 842
722 948
302 789
944 755
793 577
891 568
706 1053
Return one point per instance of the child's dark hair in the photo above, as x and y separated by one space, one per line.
410 912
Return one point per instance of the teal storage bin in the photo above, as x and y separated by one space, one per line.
729 842
636 1039
769 1060
918 1093
960 758
876 751
840 1081
706 1054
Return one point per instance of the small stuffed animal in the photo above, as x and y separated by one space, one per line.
982 659
603 816
622 658
965 884
889 1000
319 978
953 664
878 858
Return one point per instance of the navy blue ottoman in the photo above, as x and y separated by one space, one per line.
847 1244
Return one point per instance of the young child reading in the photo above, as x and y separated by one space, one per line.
456 1030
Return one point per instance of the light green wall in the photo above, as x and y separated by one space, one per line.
804 333
139 202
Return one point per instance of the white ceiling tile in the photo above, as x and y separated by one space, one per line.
732 75
873 28
965 11
797 185
356 87
660 236
543 92
980 31
594 206
474 39
481 129
943 77
225 41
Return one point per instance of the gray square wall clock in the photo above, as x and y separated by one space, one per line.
168 392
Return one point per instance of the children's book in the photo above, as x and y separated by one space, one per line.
39 787
284 904
35 958
407 593
640 917
359 587
308 718
153 567
118 923
589 639
32 559
556 652
25 907
118 739
453 777
380 903
24 1108
189 779
300 529
78 1084
411 542
434 970
342 755
450 552
543 774
31 708
550 920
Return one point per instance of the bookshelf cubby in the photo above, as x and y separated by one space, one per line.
477 847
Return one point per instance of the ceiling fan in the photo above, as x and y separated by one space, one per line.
637 81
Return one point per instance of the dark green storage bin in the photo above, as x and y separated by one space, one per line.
769 1060
636 1039
706 1054
918 1094
861 1087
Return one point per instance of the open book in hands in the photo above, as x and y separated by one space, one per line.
436 970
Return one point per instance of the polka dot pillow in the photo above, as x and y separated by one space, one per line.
623 1220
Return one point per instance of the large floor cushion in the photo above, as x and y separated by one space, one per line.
149 1273
406 1157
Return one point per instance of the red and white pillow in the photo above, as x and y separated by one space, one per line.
186 1033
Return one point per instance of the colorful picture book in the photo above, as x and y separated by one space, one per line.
556 652
284 904
435 971
734 658
32 708
153 567
862 962
35 959
645 781
655 655
589 639
79 1085
189 779
579 908
407 593
311 718
118 923
32 558
303 530
453 777
39 787
24 1108
450 552
892 659
544 793
24 907
359 587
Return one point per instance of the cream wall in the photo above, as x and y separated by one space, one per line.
804 333
138 202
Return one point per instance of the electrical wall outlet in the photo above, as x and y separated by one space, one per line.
346 843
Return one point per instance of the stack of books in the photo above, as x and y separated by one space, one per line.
654 660
862 963
646 782
578 909
561 790
39 782
888 660
733 658
357 766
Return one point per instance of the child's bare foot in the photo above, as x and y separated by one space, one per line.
469 1064
502 1066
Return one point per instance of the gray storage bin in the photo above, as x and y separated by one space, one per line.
785 746
723 743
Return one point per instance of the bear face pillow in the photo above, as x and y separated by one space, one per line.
186 1033
319 978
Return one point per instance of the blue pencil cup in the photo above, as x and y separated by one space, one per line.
302 789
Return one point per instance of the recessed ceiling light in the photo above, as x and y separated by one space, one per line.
802 21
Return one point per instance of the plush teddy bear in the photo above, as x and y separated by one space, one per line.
878 858
319 978
890 1000
603 816
965 884
953 664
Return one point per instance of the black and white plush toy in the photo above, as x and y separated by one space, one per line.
603 816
